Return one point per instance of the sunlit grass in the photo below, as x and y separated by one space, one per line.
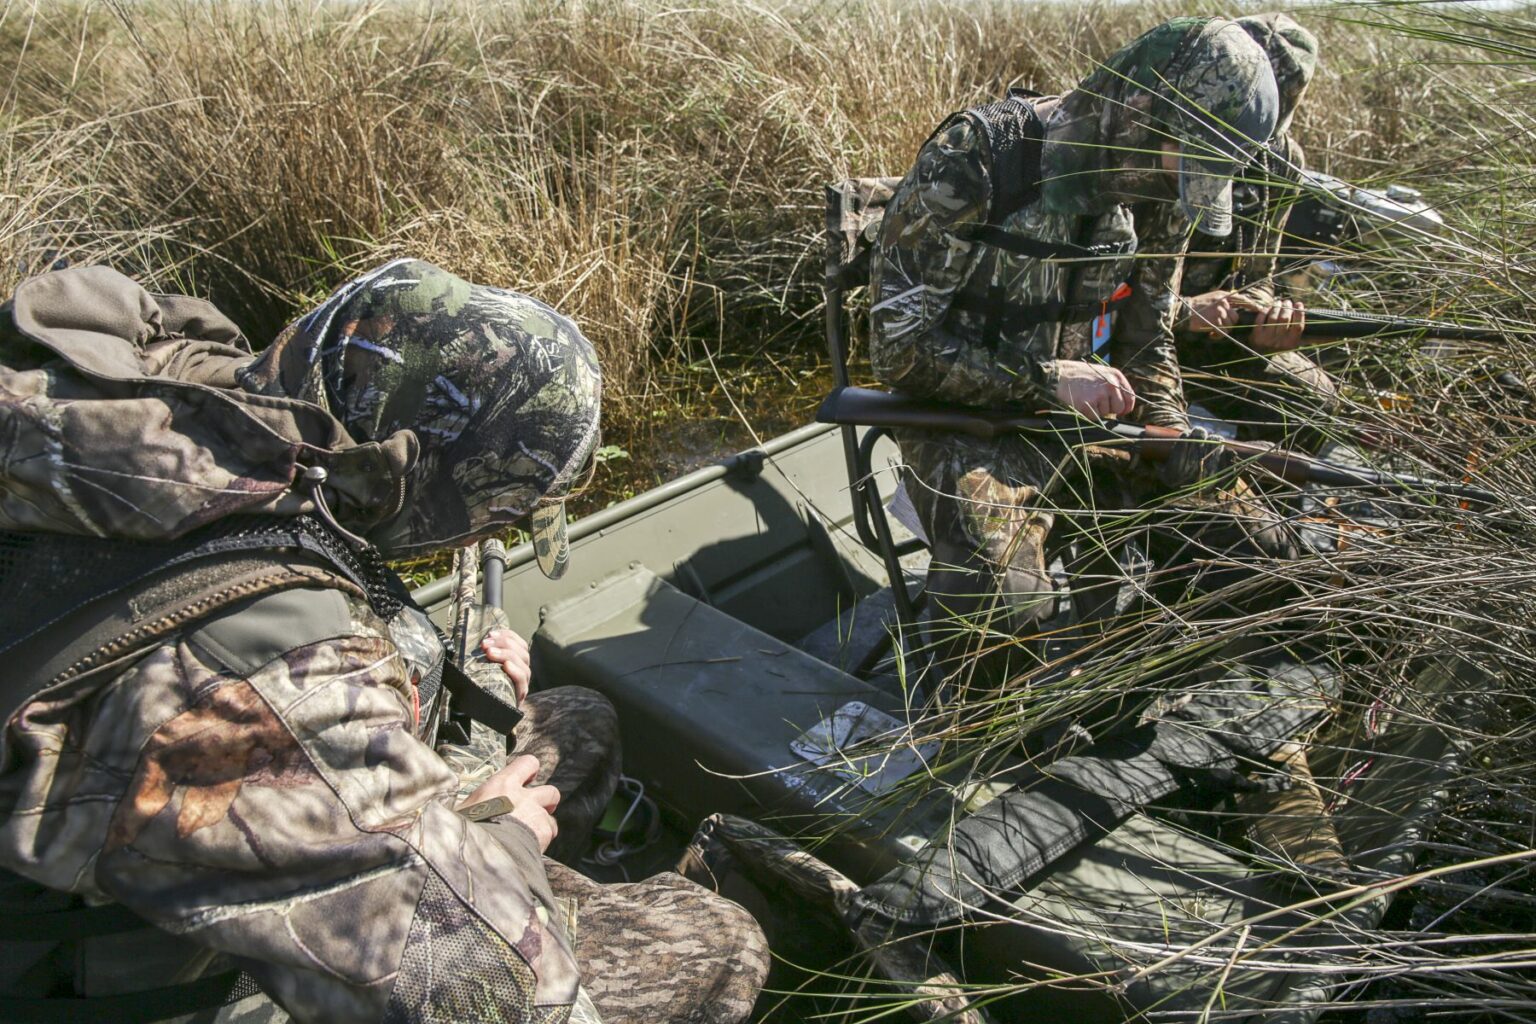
655 170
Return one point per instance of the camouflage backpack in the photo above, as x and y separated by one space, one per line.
1013 133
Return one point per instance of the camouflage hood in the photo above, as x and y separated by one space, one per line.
121 417
1292 54
500 391
1202 82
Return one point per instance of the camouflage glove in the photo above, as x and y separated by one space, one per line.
1197 459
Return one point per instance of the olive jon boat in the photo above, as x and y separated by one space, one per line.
727 615
743 621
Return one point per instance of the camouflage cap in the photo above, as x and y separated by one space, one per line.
1292 54
1211 90
501 391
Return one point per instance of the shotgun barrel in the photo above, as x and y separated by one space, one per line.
867 407
1346 323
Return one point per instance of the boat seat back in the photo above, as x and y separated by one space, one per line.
855 207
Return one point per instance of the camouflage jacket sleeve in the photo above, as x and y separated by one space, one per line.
1252 270
290 817
1142 345
920 264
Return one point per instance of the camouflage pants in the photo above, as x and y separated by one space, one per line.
994 511
1270 397
981 505
574 733
663 949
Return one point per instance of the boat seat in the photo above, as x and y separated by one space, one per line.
717 716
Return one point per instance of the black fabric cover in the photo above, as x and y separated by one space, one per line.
46 576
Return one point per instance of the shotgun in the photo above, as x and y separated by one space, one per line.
475 688
1346 323
866 407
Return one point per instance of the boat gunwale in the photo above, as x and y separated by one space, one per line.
438 590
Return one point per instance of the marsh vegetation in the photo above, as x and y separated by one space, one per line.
656 171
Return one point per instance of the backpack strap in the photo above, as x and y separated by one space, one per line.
1027 245
1013 316
142 1007
106 632
1013 134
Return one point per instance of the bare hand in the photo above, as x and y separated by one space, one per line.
1093 390
505 648
1279 328
534 806
1217 311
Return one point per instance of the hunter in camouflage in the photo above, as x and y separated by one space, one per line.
1145 145
1260 381
255 783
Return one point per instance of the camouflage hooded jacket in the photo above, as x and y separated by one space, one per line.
1102 185
276 809
121 418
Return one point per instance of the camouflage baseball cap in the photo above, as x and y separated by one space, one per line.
1292 54
1215 94
501 391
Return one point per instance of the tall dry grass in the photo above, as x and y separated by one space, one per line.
652 168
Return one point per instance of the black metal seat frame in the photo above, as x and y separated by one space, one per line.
870 521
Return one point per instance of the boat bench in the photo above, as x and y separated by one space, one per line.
719 716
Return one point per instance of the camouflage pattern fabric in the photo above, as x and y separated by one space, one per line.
298 802
1292 826
275 817
1267 394
987 520
931 285
122 418
280 811
796 888
574 732
1201 82
501 392
664 950
928 286
441 410
982 503
1292 52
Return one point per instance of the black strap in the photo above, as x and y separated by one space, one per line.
142 1007
66 925
474 700
1025 245
1000 315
